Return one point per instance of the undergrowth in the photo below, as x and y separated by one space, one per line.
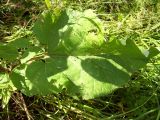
138 100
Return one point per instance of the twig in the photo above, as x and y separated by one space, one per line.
7 2
29 117
19 100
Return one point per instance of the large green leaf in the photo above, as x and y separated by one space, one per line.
100 74
87 76
79 59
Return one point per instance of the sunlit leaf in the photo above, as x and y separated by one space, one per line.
77 58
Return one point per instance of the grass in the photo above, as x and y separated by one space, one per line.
138 100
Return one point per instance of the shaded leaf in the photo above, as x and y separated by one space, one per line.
20 43
8 52
47 28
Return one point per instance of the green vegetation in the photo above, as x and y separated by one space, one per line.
98 59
